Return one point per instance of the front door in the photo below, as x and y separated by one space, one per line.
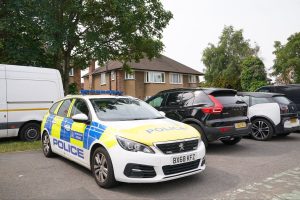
3 107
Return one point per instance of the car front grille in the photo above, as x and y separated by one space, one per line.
178 147
174 169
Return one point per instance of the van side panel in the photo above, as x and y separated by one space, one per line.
30 93
3 105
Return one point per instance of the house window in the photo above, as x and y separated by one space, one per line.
129 76
175 78
103 79
155 77
71 72
192 79
112 75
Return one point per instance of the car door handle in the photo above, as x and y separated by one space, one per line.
67 127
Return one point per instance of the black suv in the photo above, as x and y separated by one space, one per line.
292 92
218 114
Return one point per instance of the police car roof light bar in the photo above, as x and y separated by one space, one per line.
99 92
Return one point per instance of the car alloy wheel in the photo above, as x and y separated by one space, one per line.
46 145
261 130
100 167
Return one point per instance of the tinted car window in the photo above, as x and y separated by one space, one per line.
80 107
173 99
64 108
256 100
227 98
187 98
282 100
112 109
53 108
246 99
201 98
156 101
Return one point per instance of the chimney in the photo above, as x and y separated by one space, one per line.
91 70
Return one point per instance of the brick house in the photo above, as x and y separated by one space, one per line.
75 77
148 77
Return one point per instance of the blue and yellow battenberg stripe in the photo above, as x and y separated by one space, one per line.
80 135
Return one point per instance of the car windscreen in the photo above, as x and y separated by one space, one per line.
123 109
282 100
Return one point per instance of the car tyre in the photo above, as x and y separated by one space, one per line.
46 145
261 129
232 141
203 136
30 132
102 168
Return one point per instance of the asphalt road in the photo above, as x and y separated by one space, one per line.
249 170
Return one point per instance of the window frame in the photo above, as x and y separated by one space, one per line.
112 75
71 72
101 79
146 76
129 76
180 78
190 78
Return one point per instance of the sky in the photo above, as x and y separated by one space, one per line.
196 23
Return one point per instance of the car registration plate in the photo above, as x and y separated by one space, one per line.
293 120
240 125
183 158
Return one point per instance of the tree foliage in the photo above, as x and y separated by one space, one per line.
223 61
69 33
253 75
287 62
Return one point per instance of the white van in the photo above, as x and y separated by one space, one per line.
26 93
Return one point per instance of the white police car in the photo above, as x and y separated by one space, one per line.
121 139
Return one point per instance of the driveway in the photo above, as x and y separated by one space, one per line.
250 169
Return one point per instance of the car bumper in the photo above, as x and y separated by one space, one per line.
121 159
226 132
286 126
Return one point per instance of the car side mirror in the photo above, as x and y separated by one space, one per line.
162 113
80 118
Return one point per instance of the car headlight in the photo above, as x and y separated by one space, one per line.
130 145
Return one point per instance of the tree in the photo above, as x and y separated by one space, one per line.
69 33
223 61
287 62
253 74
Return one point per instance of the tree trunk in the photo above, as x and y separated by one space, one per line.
65 75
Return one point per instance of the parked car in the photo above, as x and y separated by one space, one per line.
26 93
292 92
271 114
121 139
218 114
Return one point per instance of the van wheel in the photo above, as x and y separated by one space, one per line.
30 132
232 141
46 145
203 136
261 130
102 168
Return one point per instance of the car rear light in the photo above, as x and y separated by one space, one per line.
217 108
283 108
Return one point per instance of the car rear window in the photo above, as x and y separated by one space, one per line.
282 100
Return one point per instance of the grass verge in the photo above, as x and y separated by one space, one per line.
10 145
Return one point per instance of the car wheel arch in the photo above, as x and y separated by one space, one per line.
92 150
263 117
